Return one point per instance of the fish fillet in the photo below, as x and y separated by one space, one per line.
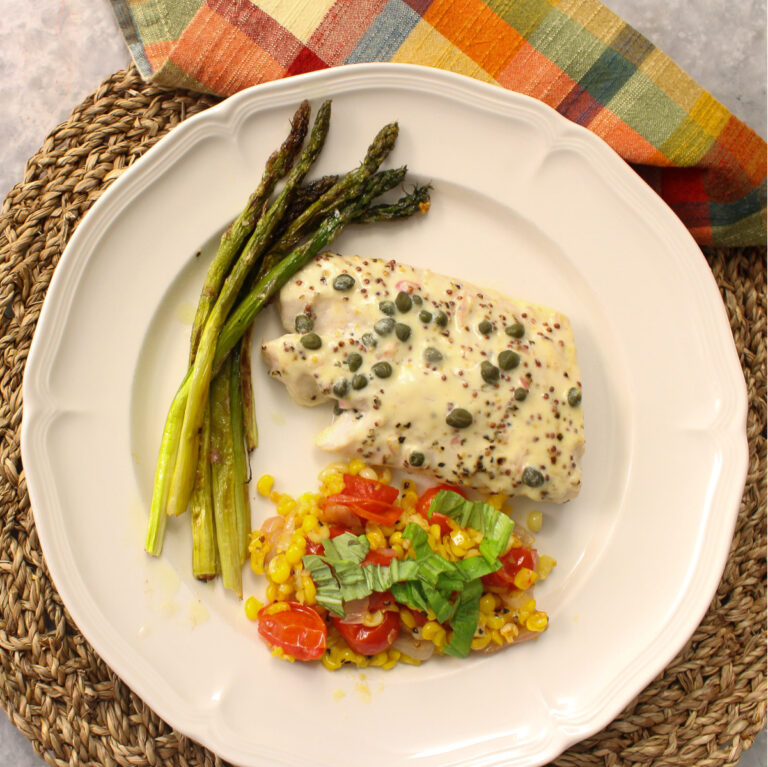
454 381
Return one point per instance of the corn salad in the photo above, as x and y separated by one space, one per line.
507 610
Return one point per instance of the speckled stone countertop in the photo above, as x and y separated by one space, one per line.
54 53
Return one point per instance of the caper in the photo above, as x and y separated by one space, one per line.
384 326
403 331
425 316
520 393
432 355
311 341
533 477
388 307
416 459
485 327
417 299
508 359
441 319
403 302
354 361
340 388
344 282
516 330
337 409
369 340
489 372
303 324
382 370
359 382
574 396
459 418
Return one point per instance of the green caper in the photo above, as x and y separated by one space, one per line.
416 459
403 302
574 396
369 340
459 418
520 393
516 330
384 326
441 319
508 359
337 409
417 300
340 388
388 307
489 372
354 361
432 355
403 331
359 382
303 324
311 341
533 477
485 327
425 316
382 370
344 282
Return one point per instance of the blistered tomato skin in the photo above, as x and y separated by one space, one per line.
296 629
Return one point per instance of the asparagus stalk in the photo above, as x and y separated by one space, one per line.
278 164
186 457
204 557
239 458
249 405
223 483
305 223
417 200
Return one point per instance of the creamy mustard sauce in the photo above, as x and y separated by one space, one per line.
454 381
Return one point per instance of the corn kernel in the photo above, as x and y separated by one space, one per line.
537 622
285 591
309 523
481 642
399 551
258 552
379 659
309 588
373 619
295 553
497 637
277 607
331 663
278 569
460 538
252 607
265 484
534 520
431 630
386 476
495 622
509 631
409 660
375 537
278 652
545 565
409 499
525 578
355 466
406 616
369 473
496 500
271 592
487 603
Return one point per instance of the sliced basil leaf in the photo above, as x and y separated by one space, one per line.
328 591
464 621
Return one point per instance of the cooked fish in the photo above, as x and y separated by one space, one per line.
434 375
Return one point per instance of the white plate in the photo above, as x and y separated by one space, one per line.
523 201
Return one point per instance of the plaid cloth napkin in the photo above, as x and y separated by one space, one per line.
575 55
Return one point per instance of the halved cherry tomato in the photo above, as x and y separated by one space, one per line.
379 557
298 630
368 499
336 530
511 564
369 640
425 501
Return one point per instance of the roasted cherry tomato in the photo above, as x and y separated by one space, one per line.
298 630
379 557
425 501
369 640
314 548
368 499
511 564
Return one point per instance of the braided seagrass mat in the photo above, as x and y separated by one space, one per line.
704 709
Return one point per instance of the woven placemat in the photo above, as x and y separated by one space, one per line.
706 707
